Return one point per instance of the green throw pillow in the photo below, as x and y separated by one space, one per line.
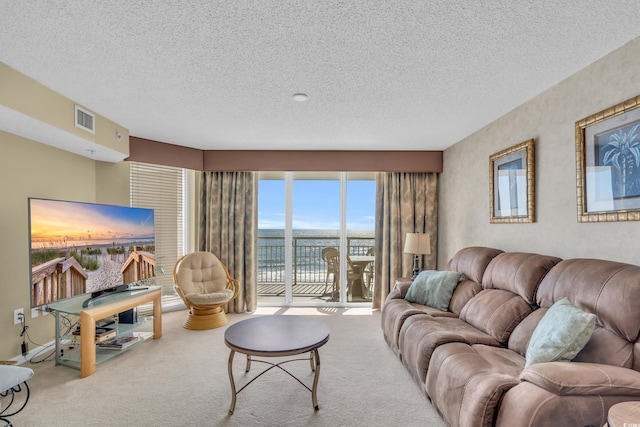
561 333
433 288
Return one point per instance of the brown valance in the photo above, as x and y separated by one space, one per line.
149 151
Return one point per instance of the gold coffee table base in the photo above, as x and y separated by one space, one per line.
314 359
276 336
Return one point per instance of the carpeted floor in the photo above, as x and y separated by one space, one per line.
181 380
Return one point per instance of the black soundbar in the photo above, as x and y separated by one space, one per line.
106 292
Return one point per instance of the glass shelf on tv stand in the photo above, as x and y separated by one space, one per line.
107 305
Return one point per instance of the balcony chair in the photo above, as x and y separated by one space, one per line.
369 270
355 273
205 285
13 380
332 257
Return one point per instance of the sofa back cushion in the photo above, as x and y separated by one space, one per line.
495 312
610 290
508 296
518 272
562 332
519 339
472 263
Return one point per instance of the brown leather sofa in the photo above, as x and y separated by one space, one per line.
470 360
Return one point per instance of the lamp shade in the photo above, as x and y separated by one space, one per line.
417 243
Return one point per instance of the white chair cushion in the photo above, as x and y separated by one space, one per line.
219 297
11 376
201 273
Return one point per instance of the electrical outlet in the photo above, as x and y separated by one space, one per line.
17 319
34 312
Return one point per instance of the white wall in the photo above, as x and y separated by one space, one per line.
550 119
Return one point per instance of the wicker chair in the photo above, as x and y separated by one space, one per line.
369 271
355 277
332 257
204 284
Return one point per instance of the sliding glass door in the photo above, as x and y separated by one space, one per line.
271 239
359 208
307 220
315 226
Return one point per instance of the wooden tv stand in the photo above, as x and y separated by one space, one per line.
104 307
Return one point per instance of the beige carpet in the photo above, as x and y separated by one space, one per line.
181 380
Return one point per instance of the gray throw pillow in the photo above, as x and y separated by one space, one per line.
433 288
561 333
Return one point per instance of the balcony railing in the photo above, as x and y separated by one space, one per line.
308 265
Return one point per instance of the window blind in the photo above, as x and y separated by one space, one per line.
163 189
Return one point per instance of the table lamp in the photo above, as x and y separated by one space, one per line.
417 244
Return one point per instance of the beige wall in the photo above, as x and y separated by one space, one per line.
31 169
550 119
30 98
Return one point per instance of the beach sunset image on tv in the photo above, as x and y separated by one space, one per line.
79 247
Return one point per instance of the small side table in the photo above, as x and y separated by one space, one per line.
624 414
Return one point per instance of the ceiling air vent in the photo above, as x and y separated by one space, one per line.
85 119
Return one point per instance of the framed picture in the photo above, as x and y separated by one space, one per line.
608 164
511 184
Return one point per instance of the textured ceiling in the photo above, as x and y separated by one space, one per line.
380 75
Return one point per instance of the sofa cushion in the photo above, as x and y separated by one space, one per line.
519 339
421 335
518 272
496 312
610 290
465 290
607 288
472 261
466 382
396 311
607 348
561 333
433 288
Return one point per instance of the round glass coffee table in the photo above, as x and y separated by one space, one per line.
276 336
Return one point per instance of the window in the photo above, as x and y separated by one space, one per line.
303 217
163 189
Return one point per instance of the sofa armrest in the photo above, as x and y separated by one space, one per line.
576 378
403 286
399 289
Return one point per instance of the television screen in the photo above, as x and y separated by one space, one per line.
78 248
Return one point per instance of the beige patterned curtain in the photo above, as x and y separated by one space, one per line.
228 228
406 202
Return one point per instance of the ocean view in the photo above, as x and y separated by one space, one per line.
307 255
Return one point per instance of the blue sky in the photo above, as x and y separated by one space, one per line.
316 204
56 223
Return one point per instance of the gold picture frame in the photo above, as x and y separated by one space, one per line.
512 184
608 164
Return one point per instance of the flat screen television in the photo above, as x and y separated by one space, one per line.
80 248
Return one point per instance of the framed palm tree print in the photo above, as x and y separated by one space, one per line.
608 164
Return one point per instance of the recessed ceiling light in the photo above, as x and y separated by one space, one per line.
300 97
